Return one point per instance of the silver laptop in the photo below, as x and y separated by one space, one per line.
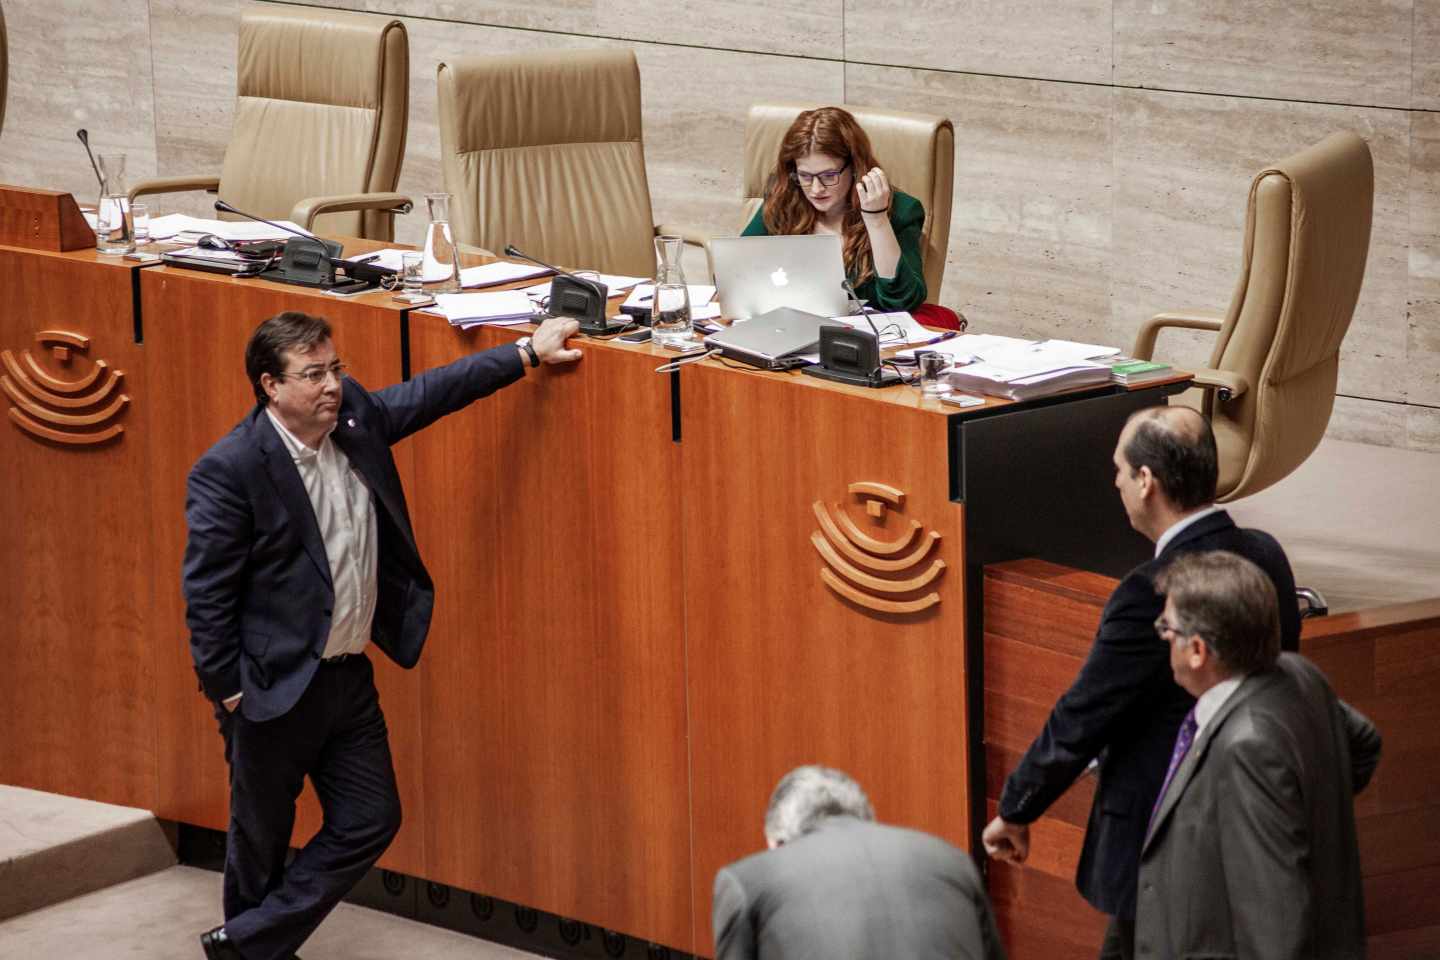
770 340
754 275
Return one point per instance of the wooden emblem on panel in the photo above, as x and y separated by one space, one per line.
74 411
886 575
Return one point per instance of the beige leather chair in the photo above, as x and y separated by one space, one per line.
320 114
1270 386
544 151
917 152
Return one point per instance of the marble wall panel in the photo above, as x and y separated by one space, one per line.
1183 166
1030 228
1422 349
1022 38
194 50
1368 421
1422 428
74 65
805 28
1425 60
1336 51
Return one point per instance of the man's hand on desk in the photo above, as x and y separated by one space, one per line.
549 338
1006 841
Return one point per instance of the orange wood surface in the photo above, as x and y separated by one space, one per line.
1039 621
782 671
42 220
74 526
554 699
196 328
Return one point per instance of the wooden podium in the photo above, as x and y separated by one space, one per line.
42 220
656 593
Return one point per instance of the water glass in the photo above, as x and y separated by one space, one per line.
412 277
932 373
140 216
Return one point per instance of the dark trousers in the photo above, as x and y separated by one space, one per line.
336 736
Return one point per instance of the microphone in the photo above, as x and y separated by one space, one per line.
224 207
84 136
864 310
571 296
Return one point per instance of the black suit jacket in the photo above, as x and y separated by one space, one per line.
855 889
1126 709
256 578
1253 852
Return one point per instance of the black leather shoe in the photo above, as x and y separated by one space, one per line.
217 946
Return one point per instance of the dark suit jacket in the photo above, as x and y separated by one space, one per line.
1253 850
256 577
855 889
1126 708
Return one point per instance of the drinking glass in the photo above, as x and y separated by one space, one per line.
932 373
140 216
412 277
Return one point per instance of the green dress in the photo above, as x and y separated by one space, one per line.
905 290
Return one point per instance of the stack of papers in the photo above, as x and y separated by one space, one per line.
613 283
641 297
1024 369
501 271
184 228
499 308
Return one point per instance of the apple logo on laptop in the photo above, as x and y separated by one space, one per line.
778 277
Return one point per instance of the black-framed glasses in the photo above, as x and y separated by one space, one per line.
1163 626
315 376
827 178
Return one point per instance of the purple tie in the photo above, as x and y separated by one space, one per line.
1183 740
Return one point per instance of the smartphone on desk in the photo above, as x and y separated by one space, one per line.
639 336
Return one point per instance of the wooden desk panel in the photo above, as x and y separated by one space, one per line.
554 696
197 326
782 670
75 535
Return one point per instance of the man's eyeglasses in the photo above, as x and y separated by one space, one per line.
315 376
827 178
1163 627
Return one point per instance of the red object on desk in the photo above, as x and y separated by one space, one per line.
934 315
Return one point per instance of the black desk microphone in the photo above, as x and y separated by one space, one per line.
570 296
307 260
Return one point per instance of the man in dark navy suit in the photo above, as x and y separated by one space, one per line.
300 553
1125 708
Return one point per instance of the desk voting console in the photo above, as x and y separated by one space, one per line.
656 593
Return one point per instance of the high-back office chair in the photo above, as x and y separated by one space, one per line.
916 150
544 150
1270 387
322 102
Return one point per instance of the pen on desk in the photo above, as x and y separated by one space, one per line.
367 258
951 335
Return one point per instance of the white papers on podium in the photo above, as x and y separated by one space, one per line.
644 293
1023 369
613 282
501 271
179 225
499 308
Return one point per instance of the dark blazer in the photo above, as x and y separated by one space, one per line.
855 889
256 578
1126 709
1253 850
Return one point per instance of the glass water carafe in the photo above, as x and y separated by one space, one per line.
442 257
670 310
114 229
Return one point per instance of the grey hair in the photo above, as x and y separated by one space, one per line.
807 795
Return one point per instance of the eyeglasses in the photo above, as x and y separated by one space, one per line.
828 178
315 376
1163 626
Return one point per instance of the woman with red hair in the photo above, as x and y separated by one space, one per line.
827 180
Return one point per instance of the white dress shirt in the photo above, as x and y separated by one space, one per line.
1181 524
346 519
1212 700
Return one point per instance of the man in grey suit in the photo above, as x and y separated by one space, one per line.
836 884
1251 848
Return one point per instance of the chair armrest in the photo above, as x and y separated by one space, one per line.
1188 320
174 185
1226 383
305 212
692 236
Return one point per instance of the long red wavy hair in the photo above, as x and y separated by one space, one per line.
833 131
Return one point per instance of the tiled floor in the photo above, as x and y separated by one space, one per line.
160 917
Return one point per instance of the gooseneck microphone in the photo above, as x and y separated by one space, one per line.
570 296
84 136
224 207
308 261
864 310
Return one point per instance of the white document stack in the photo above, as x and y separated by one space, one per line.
499 308
1025 369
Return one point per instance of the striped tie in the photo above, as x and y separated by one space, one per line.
1182 747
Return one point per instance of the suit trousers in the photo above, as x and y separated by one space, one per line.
335 735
